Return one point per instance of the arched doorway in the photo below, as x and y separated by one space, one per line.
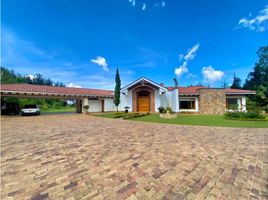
143 101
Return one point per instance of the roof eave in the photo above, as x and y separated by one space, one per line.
57 94
240 93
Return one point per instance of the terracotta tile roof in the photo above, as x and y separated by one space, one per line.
194 90
239 91
55 90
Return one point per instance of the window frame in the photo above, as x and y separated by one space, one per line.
239 106
188 99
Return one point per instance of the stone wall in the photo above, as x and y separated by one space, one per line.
212 101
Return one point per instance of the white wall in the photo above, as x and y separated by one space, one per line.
109 105
244 104
175 100
125 100
84 102
157 100
94 105
166 99
170 99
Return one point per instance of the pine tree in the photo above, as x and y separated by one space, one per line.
236 83
117 89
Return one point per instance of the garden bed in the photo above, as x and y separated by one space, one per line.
245 116
123 115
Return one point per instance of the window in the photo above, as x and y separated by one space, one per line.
187 103
232 103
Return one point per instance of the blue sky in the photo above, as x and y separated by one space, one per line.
81 42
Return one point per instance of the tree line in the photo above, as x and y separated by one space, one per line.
256 80
10 77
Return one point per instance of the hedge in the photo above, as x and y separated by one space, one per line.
244 116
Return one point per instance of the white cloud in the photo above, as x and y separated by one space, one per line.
258 23
161 4
73 85
101 61
191 53
31 76
211 75
181 70
133 2
143 6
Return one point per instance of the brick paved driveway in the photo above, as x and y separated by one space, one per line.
77 156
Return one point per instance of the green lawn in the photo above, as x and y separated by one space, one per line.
59 110
199 120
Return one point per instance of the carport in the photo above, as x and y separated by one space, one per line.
98 100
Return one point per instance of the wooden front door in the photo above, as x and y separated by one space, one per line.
144 104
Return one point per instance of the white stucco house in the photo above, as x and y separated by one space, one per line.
142 95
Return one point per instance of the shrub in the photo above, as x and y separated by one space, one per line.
134 115
164 110
265 108
252 106
86 107
169 109
244 115
161 109
233 107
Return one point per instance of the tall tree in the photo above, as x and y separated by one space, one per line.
48 82
236 83
257 80
117 89
39 79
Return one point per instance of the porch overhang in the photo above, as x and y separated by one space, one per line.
143 82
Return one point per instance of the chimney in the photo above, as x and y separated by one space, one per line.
162 84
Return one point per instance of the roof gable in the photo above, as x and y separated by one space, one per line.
142 81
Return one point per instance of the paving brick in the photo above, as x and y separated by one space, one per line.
86 157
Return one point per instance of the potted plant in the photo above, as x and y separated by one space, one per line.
161 109
126 109
86 107
168 110
167 113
